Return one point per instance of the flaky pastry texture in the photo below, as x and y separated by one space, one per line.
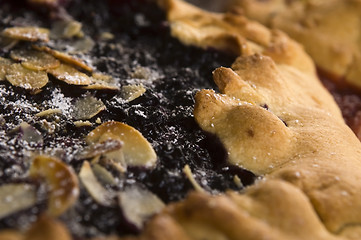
275 119
232 32
329 30
281 124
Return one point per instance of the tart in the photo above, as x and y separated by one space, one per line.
124 138
326 29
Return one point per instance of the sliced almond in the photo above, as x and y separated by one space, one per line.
95 189
20 76
4 65
131 92
31 34
103 175
70 75
7 44
139 204
136 150
101 148
16 197
87 107
35 60
101 84
61 181
65 29
46 228
65 58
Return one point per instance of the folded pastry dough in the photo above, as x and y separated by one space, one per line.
329 31
274 118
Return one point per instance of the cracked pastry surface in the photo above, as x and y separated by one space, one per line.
329 31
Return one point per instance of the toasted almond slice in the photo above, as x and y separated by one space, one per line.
87 107
65 29
131 92
46 228
7 44
136 150
101 148
16 197
101 82
4 65
139 204
95 189
31 34
103 175
70 75
65 58
20 76
35 60
100 85
49 112
61 180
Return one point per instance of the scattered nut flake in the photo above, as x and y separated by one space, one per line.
70 75
61 180
46 228
87 107
20 76
66 29
103 175
7 43
98 84
187 171
29 133
101 148
31 34
98 121
131 92
139 204
105 36
35 60
4 65
136 150
141 73
16 197
65 58
238 181
95 189
49 112
81 123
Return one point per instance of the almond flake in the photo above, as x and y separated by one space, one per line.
61 181
31 34
87 107
139 204
69 75
4 65
35 60
20 76
92 185
16 197
65 58
136 151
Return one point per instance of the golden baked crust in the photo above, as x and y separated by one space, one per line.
233 33
329 31
277 121
310 162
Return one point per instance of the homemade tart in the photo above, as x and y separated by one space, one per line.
329 32
272 119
